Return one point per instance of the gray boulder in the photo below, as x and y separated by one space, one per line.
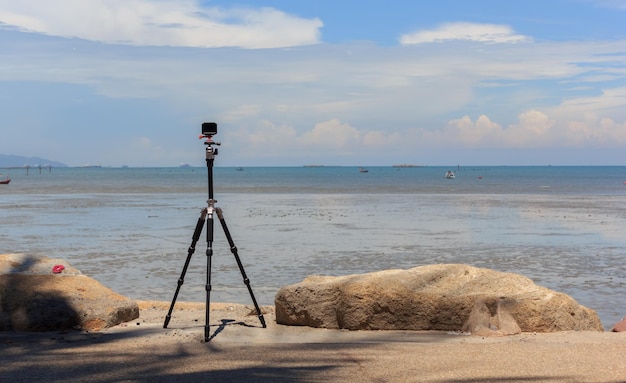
437 297
45 294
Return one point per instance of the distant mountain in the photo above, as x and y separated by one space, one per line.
9 161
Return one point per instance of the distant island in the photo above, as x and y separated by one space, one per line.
12 161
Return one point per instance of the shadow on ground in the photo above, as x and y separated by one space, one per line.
23 306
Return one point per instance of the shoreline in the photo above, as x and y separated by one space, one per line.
241 350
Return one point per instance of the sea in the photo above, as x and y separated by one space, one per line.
132 228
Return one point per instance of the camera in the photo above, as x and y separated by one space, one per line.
209 128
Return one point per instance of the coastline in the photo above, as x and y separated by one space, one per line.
241 350
130 228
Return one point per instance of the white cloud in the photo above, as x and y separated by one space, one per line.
593 131
332 137
381 139
332 133
317 100
616 4
610 100
534 129
576 123
160 23
488 33
268 135
470 133
240 111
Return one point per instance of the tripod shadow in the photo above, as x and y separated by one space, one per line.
227 322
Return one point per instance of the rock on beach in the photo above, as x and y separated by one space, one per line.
619 326
451 297
45 294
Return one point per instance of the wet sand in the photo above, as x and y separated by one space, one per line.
240 350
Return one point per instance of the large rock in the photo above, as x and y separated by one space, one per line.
35 298
436 297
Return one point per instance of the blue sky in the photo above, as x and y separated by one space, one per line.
290 83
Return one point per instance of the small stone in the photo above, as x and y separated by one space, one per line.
620 326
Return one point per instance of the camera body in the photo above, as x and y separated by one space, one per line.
209 128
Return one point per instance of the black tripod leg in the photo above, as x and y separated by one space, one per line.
209 256
233 250
190 251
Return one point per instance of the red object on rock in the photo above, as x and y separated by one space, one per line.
57 269
620 326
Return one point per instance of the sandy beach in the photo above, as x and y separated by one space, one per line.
240 350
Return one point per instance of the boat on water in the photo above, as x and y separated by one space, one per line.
450 174
5 181
363 170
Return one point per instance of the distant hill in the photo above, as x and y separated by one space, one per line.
10 161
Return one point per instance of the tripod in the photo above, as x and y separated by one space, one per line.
206 215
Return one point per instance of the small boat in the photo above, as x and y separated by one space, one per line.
450 174
5 181
239 169
363 170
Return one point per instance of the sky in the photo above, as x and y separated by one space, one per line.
292 83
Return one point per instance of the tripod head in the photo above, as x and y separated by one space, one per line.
209 129
209 145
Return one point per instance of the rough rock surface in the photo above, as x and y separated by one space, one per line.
481 322
33 298
435 297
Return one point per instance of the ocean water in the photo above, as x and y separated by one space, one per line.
131 228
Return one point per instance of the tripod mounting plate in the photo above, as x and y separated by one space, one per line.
208 139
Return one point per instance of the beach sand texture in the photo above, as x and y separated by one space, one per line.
240 350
